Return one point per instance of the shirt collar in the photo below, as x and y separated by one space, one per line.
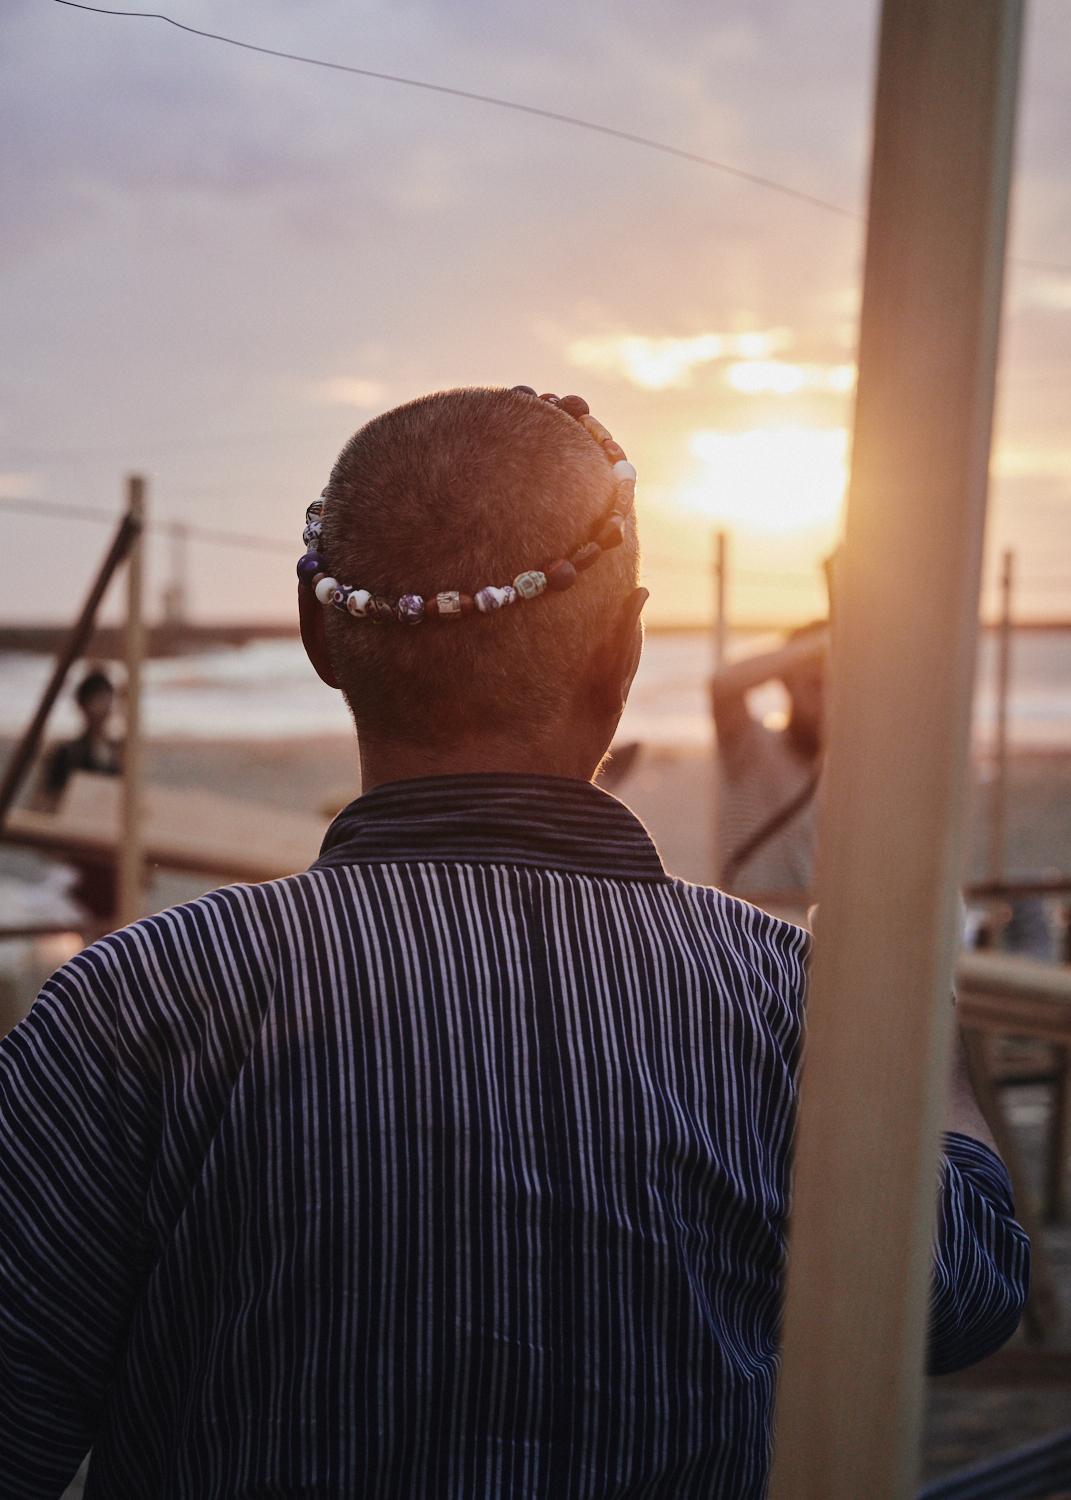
546 822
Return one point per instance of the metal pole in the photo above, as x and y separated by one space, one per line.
721 624
131 856
875 1076
998 817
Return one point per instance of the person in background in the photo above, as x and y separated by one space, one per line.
95 752
768 778
92 751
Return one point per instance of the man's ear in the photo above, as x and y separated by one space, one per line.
619 657
314 637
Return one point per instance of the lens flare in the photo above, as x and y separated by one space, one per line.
780 479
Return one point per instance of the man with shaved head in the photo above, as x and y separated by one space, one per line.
457 1165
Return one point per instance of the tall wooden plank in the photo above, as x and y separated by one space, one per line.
131 847
875 1073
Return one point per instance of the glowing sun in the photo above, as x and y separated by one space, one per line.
770 479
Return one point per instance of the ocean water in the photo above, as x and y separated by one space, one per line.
267 690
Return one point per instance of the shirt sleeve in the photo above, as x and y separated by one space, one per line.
69 1215
981 1272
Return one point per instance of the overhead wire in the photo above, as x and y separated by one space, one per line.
527 109
65 511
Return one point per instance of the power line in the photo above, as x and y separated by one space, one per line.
199 533
526 109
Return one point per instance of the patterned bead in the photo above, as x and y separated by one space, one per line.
309 565
553 400
313 533
576 406
341 595
449 604
380 608
325 588
358 602
612 534
585 556
561 575
525 390
410 608
624 470
614 451
466 603
314 511
624 501
490 599
600 433
529 585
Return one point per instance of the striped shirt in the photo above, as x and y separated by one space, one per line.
454 1167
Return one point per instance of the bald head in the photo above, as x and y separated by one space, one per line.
457 491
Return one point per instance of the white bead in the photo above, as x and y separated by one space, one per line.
325 588
624 470
358 602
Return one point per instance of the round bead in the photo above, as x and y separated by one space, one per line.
341 595
614 451
548 397
313 533
466 603
576 406
411 609
529 585
600 433
561 575
314 511
449 603
490 599
612 534
624 470
325 588
380 608
309 565
358 602
525 390
585 556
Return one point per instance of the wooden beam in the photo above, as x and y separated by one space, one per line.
999 789
131 871
892 835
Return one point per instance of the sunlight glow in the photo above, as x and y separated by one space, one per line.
658 364
771 479
347 391
754 375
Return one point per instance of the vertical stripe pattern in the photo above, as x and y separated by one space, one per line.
425 1174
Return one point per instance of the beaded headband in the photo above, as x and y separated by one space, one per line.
558 574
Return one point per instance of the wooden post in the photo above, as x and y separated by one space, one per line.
721 624
999 801
131 857
875 1074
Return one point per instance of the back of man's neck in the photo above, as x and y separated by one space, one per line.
384 761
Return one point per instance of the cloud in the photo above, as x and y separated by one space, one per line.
348 390
658 364
754 376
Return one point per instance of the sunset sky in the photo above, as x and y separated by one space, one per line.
216 264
